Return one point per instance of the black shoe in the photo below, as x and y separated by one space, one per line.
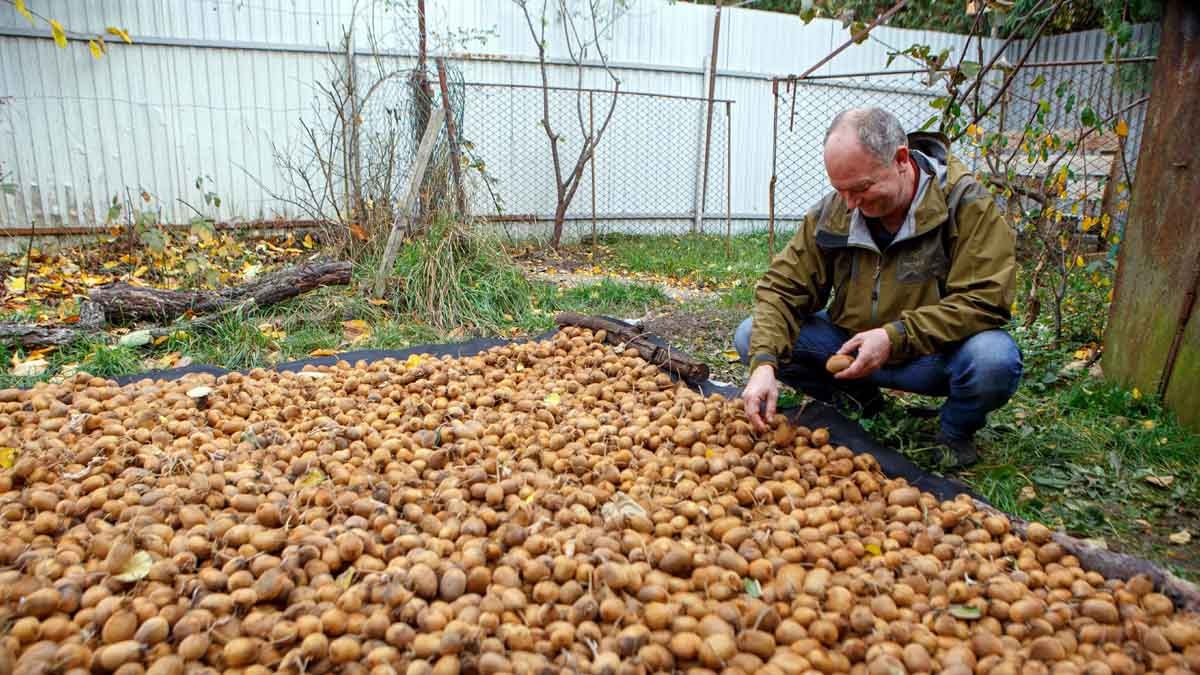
959 453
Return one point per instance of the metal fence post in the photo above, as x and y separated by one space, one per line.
728 180
771 185
592 163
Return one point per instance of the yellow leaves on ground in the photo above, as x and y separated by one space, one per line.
323 352
356 331
412 361
271 331
56 279
29 367
552 399
8 457
1180 538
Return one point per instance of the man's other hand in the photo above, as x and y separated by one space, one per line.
873 346
762 388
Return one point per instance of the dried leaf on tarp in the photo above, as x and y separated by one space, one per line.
621 507
314 477
136 568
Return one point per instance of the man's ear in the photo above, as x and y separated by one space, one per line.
902 155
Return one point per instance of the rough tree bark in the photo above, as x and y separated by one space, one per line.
122 302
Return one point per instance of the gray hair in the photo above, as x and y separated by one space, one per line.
878 130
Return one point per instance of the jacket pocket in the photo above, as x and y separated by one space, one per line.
923 260
844 263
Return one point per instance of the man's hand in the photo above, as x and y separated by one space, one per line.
761 388
874 347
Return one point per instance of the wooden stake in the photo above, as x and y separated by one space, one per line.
404 213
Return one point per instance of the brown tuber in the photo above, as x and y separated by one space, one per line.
553 506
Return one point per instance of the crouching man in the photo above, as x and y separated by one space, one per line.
908 266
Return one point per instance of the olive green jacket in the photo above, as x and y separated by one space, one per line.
948 274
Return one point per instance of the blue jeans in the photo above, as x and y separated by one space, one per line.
976 376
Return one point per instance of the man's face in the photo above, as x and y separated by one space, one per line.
873 187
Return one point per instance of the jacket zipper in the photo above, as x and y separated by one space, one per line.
875 288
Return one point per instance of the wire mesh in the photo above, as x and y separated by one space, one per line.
1050 97
646 168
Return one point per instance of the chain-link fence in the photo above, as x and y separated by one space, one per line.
646 175
1052 104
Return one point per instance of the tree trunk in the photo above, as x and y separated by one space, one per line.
560 214
123 302
1153 338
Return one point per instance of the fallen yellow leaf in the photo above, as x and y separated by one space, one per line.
873 549
30 368
314 477
1181 537
552 399
356 330
1160 481
308 241
136 568
8 457
325 351
412 361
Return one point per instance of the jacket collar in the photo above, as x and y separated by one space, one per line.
927 210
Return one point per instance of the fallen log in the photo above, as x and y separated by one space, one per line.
33 336
122 302
616 333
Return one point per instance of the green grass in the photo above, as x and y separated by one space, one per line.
610 297
697 259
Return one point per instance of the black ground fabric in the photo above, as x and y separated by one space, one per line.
814 414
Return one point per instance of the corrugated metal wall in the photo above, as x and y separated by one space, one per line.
213 88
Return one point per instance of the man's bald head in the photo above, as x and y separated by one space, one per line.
875 130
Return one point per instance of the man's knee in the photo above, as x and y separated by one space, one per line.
988 364
741 339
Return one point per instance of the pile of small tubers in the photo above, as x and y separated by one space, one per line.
555 506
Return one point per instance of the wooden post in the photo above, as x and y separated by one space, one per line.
712 88
1153 336
404 213
460 194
